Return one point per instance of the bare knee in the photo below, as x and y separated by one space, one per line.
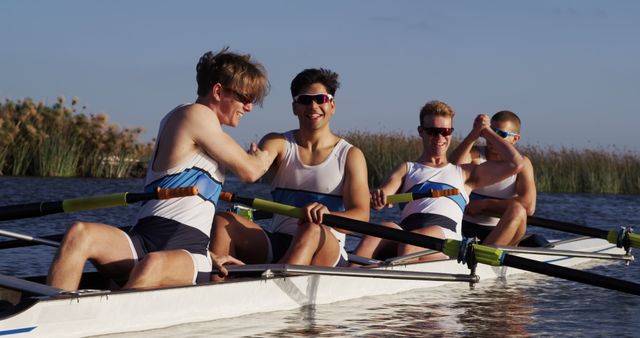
78 236
310 230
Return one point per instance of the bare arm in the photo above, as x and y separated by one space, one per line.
491 172
464 152
207 133
526 187
391 185
355 191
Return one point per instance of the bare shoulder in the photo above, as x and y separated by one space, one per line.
355 154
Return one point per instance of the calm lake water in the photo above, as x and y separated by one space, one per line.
528 305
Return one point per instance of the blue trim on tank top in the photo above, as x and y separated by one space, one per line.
428 186
300 198
208 187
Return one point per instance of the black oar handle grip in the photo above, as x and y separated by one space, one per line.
166 193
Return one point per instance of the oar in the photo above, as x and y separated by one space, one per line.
18 211
614 236
483 254
23 240
410 196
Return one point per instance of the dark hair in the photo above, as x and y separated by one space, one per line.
233 71
436 108
508 116
310 76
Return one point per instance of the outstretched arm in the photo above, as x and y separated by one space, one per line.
391 185
207 133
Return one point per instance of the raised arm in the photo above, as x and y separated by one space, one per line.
491 172
207 133
465 152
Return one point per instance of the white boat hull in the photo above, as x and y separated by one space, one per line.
125 311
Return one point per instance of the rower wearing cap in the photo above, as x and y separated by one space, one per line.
313 169
514 198
439 217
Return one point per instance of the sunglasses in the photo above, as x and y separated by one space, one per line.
306 99
434 131
503 133
244 99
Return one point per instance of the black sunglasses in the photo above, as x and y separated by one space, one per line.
306 99
244 99
434 131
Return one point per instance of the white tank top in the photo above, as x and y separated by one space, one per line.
423 178
298 184
199 170
505 189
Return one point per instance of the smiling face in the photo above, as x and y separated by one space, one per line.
233 105
435 145
314 115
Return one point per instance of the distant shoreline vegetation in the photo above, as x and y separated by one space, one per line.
56 140
556 170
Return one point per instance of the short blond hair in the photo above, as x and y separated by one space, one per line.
436 108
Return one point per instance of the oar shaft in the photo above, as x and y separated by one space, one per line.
28 238
571 274
567 227
29 210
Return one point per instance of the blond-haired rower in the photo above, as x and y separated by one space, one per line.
437 217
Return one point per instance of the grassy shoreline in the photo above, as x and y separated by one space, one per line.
56 140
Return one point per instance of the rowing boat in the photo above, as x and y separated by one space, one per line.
34 309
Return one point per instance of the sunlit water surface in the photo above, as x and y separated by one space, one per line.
522 306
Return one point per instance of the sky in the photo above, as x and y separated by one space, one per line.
569 69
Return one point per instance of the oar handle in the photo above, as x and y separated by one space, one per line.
412 196
28 210
167 193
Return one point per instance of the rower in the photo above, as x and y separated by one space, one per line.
513 198
168 245
437 216
313 169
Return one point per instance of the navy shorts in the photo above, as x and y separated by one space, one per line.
156 233
420 220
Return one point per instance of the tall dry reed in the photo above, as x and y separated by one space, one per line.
54 140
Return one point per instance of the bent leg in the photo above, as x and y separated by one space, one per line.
376 247
511 227
106 246
431 231
239 237
313 244
163 269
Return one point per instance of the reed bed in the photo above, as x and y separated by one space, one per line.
54 140
563 170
